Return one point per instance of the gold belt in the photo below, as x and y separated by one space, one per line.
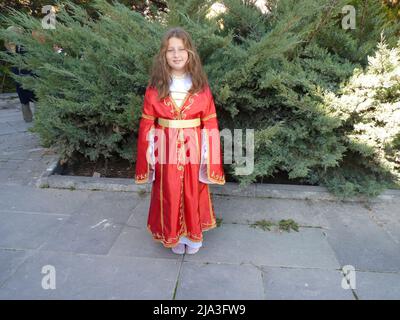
179 123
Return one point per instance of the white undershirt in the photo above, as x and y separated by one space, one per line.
179 88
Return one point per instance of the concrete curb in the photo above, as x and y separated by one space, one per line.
42 182
50 179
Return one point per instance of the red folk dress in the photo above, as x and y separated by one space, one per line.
180 163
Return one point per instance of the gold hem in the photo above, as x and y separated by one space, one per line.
183 234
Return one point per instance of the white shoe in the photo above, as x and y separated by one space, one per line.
190 250
179 248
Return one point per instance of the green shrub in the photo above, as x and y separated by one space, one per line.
283 73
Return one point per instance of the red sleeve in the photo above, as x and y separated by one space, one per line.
213 166
146 125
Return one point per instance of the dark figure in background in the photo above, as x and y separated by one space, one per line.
25 96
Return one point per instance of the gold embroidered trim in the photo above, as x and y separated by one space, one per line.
146 116
182 104
213 115
179 112
144 178
188 106
213 177
217 177
172 242
198 148
161 183
141 178
182 220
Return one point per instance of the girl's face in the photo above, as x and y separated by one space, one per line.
177 56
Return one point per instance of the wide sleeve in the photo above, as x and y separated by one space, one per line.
145 162
211 164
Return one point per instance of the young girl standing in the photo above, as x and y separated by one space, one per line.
178 146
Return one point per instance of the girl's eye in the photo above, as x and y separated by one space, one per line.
171 50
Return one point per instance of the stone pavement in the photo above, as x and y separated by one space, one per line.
98 245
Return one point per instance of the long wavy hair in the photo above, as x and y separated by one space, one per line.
161 72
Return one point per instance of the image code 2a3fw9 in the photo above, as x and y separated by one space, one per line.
201 309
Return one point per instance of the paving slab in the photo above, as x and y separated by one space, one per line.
27 172
19 140
10 163
306 248
118 206
304 284
245 210
30 199
13 172
377 286
19 125
27 230
5 174
85 233
8 96
138 242
22 154
249 210
214 281
6 129
10 260
358 241
387 216
92 277
140 213
9 104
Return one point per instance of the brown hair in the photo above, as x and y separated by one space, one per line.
161 74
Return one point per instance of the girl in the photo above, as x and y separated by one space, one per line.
178 146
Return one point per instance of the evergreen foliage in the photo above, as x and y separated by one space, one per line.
292 74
